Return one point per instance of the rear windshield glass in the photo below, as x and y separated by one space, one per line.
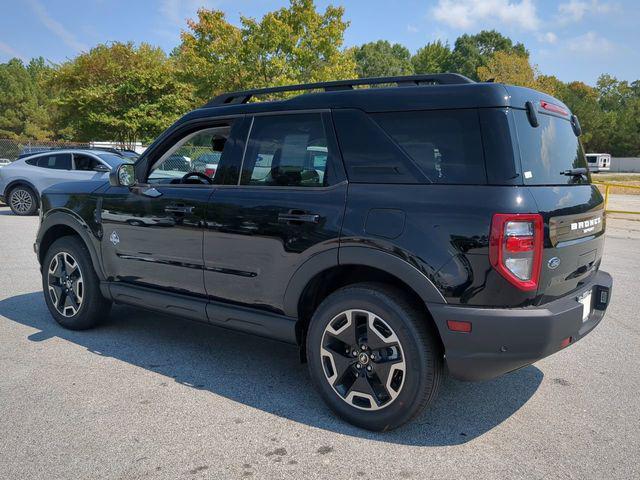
445 144
548 150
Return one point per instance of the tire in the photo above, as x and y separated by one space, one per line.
67 265
403 366
22 201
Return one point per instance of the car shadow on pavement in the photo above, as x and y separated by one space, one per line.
268 375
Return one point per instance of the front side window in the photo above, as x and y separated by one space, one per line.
193 159
57 162
287 151
85 162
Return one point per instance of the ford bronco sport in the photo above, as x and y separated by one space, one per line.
392 232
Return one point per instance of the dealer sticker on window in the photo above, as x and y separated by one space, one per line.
585 300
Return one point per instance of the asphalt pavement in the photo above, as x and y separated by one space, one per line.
150 396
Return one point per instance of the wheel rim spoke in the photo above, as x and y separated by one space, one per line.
21 201
363 359
65 284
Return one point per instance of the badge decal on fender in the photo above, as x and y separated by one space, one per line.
115 239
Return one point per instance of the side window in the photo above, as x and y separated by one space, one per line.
369 154
287 151
199 152
84 162
56 162
446 145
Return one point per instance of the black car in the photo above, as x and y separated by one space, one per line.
389 232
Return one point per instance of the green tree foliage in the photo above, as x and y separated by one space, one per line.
119 92
25 110
290 45
124 92
609 114
434 57
473 51
381 58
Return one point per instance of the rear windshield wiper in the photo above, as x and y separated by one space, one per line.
575 172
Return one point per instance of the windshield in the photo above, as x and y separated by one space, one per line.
114 160
548 150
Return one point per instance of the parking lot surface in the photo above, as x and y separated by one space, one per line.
149 396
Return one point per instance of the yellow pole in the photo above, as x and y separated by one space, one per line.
606 197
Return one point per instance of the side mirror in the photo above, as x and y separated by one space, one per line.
123 176
101 168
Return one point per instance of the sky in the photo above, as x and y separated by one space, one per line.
572 39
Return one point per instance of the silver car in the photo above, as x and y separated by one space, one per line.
22 181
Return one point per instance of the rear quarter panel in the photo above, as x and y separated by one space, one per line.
445 234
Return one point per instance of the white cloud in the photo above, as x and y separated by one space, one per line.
10 51
176 12
575 10
590 44
412 29
56 27
547 37
464 14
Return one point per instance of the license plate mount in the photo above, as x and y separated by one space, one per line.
585 300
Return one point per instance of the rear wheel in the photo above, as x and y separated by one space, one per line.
71 286
23 201
373 356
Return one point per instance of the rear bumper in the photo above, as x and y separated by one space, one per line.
502 340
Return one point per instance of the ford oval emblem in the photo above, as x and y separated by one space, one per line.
553 263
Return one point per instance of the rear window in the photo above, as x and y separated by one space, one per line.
446 145
548 150
61 161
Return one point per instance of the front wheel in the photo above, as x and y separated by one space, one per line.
71 286
373 356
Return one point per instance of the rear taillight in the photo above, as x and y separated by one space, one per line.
515 248
209 172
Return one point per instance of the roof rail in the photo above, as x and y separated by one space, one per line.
401 81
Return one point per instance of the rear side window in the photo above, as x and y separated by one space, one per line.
548 150
287 151
370 156
56 162
446 145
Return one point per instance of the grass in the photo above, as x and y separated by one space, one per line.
630 179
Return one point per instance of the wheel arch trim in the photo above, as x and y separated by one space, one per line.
358 256
21 181
76 223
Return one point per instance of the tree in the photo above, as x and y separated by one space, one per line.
119 92
25 110
473 51
508 68
434 57
290 45
381 58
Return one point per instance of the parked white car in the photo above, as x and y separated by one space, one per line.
599 162
22 181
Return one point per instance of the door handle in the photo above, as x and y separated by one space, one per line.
178 209
299 217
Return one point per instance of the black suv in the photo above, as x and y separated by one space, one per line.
389 232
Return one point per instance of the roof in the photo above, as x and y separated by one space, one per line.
380 99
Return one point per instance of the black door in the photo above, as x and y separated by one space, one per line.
288 207
153 232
